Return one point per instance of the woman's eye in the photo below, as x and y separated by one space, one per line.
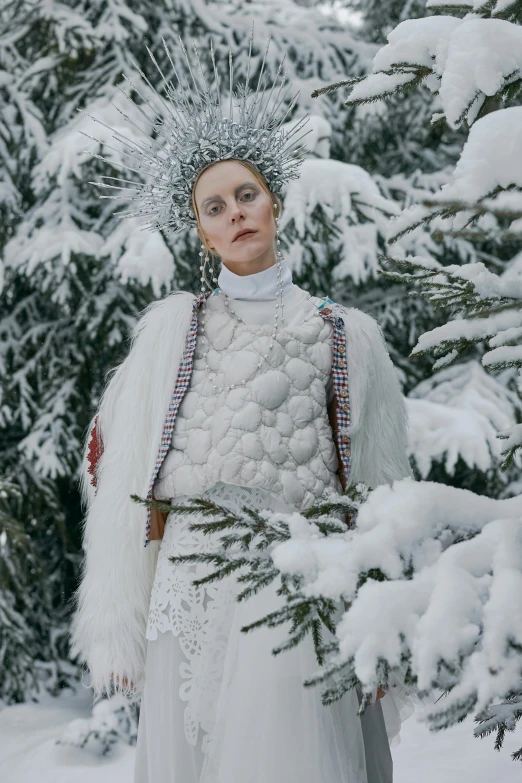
248 193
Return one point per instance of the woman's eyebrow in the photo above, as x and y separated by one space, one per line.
236 191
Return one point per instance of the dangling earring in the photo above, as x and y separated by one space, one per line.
203 270
278 241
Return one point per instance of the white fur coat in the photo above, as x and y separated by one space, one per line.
112 600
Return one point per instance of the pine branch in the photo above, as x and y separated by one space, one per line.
500 718
244 545
418 73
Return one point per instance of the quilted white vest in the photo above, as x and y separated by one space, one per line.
271 430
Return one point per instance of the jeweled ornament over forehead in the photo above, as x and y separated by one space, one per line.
188 131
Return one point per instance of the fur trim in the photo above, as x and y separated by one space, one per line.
113 597
379 420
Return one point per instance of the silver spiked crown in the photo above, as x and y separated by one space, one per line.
190 133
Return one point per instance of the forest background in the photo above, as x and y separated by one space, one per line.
74 279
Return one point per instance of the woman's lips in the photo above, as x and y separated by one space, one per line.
244 236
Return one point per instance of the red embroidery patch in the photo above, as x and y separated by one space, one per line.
95 450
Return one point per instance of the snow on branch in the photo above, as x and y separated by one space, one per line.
465 61
488 307
430 578
344 198
484 189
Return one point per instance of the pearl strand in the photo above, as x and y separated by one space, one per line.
278 305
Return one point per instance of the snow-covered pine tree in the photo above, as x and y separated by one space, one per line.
473 64
409 158
417 159
112 721
463 394
33 641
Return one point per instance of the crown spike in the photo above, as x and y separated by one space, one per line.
196 85
244 98
203 77
300 124
114 187
175 97
263 63
136 105
231 75
216 78
109 146
160 98
152 142
290 107
260 120
111 162
147 103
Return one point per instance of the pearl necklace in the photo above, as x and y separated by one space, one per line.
233 314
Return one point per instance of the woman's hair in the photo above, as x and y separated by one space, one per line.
259 177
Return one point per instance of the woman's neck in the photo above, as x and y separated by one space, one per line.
259 285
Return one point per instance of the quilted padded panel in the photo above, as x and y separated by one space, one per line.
272 429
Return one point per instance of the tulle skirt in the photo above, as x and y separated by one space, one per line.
261 724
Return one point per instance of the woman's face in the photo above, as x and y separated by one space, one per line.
230 199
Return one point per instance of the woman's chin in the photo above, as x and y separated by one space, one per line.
249 250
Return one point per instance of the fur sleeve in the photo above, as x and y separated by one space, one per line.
379 422
112 599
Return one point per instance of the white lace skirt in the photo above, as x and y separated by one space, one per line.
219 707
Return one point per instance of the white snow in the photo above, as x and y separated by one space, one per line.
462 605
139 254
491 157
28 753
469 59
480 54
349 197
414 41
457 412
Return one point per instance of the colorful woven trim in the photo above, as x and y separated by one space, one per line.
182 382
332 312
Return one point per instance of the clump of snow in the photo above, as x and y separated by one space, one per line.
112 721
416 42
451 601
348 197
457 412
490 158
469 59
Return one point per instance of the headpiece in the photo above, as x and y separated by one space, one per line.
190 133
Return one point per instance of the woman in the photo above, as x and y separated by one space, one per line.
242 395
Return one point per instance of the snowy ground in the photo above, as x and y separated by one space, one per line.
28 753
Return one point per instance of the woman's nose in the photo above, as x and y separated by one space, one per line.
235 213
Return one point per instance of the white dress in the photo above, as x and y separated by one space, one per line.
217 705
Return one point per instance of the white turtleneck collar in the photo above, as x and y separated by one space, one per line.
257 286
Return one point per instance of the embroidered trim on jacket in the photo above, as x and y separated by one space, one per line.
182 382
340 383
94 452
